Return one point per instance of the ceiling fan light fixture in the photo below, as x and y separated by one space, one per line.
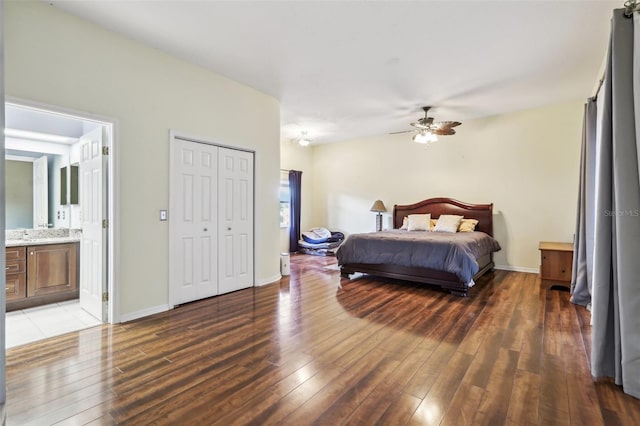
303 140
427 130
424 137
420 138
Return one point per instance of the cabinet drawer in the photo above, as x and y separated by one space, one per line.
16 287
16 266
15 253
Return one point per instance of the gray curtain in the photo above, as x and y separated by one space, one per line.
613 285
583 243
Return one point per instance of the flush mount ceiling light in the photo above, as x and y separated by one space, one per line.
303 140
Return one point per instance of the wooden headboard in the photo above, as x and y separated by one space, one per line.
437 206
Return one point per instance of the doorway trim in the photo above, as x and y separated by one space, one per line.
113 194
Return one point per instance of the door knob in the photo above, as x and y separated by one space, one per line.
228 229
205 229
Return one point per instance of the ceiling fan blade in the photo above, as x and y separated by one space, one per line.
447 131
404 131
419 125
446 124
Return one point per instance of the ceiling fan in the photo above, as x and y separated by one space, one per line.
427 131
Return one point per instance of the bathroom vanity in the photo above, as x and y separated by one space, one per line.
41 268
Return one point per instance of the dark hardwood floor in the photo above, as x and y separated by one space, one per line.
303 351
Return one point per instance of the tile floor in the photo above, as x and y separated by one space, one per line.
30 325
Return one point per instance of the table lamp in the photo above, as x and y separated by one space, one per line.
378 207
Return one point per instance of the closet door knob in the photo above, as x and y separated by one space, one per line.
228 229
205 229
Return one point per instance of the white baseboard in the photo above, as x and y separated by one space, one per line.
143 313
517 269
163 308
270 280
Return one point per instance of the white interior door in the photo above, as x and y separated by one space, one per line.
235 182
40 193
92 213
193 221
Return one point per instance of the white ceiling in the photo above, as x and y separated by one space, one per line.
346 69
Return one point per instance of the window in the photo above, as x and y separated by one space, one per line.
285 203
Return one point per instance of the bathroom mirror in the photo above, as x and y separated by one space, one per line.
20 202
73 188
68 185
63 186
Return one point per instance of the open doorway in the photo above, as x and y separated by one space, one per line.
59 201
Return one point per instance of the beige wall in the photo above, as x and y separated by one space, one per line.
55 58
296 157
525 163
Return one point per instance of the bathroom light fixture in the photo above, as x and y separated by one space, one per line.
303 140
44 137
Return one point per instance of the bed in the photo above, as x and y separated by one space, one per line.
365 253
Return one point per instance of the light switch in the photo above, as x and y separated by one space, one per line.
163 215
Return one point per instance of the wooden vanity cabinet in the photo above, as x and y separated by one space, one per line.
52 268
41 274
16 277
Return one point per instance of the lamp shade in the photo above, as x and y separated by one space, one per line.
378 206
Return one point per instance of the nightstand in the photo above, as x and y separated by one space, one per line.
556 261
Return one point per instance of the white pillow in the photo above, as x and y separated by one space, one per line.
405 223
448 223
419 222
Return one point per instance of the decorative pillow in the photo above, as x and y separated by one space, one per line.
405 223
448 223
419 222
467 225
433 223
